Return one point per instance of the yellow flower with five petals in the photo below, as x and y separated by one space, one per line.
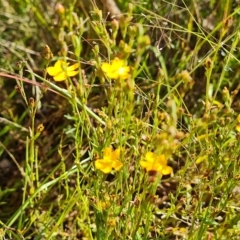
116 69
110 161
156 163
61 70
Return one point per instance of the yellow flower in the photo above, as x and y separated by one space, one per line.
116 70
110 161
61 71
156 163
238 124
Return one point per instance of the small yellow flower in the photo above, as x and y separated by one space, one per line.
116 70
111 222
156 163
61 71
238 124
110 161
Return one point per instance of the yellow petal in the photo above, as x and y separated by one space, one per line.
238 127
238 118
72 73
61 65
157 167
150 157
123 72
107 152
117 165
52 71
60 77
116 154
112 75
117 63
161 159
105 67
166 170
146 165
73 67
103 165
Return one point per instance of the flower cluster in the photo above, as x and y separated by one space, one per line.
116 69
61 70
156 163
109 161
152 163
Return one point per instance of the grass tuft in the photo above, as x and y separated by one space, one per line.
119 127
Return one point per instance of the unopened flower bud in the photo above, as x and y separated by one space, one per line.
208 63
31 102
226 97
47 53
60 9
115 25
132 31
144 41
96 49
40 128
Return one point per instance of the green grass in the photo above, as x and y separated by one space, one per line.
181 100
